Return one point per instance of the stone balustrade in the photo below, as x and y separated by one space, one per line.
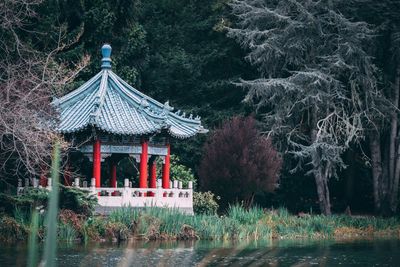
111 198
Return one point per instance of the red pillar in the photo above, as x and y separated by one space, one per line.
165 173
143 165
153 174
43 178
97 162
113 174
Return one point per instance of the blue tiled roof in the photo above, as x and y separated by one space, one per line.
110 104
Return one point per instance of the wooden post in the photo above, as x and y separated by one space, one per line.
166 167
97 162
143 165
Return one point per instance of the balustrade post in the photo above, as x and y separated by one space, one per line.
49 183
76 182
93 186
127 193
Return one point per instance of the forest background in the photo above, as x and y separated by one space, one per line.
195 54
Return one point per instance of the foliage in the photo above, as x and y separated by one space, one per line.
180 172
30 199
318 84
77 200
205 203
313 58
238 224
238 162
11 230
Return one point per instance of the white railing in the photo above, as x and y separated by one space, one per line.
175 197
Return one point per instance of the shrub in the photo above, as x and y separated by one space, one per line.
178 171
32 197
77 200
205 203
11 230
239 162
116 231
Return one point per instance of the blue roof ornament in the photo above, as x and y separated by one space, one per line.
106 52
110 104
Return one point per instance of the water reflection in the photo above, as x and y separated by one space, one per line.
215 253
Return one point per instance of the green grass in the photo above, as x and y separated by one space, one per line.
238 224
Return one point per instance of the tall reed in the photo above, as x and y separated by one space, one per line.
50 247
33 240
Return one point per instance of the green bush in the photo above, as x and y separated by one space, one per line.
74 199
77 200
205 203
32 197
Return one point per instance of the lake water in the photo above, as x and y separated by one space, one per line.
206 253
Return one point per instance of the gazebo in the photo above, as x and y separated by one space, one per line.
106 117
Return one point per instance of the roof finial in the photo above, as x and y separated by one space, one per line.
106 52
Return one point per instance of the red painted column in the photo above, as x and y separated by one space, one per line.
113 174
97 162
165 173
153 174
143 165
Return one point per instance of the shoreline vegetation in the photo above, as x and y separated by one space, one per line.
238 224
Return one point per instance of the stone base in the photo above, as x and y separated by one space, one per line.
102 210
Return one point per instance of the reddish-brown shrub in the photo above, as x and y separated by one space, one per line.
238 161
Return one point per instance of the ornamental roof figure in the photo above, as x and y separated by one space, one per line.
110 104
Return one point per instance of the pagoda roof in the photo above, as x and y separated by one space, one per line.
110 104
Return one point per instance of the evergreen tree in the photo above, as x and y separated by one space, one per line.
317 84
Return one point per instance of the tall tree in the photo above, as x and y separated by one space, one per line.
384 134
318 84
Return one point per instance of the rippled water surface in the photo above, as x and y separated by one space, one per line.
202 253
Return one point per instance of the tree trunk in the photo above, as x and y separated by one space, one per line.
394 181
321 182
376 164
350 173
320 174
393 132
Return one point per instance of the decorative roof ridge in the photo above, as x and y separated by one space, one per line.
117 80
142 103
155 102
183 118
99 98
74 93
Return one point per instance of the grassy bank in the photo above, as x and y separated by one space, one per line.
238 224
